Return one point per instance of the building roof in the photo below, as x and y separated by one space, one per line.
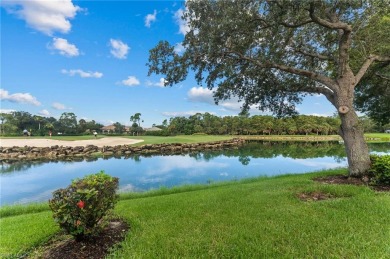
112 128
109 127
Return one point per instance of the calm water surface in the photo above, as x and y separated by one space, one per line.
25 182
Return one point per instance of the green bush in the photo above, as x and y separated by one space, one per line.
160 133
380 169
80 208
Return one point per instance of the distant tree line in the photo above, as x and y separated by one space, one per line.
261 125
201 123
15 122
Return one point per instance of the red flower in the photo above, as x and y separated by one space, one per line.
78 222
80 204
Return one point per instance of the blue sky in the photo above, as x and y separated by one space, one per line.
89 58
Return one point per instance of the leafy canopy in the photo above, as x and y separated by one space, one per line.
271 53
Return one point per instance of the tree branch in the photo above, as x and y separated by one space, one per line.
301 72
330 25
313 55
331 84
295 25
381 59
344 31
382 76
371 59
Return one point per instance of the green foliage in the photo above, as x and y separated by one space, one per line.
162 133
373 93
381 169
19 209
254 125
68 122
267 53
12 124
79 209
119 128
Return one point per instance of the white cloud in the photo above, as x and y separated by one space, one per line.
318 164
231 105
119 49
64 47
58 106
130 81
82 73
205 95
234 105
45 113
168 164
179 48
129 188
19 98
182 113
150 18
159 83
45 16
200 94
7 111
183 24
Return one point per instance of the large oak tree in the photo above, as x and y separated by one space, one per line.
270 53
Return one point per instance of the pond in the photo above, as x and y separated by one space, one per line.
26 182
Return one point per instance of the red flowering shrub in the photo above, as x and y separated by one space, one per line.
80 208
80 204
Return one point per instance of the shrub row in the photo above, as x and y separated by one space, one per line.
380 169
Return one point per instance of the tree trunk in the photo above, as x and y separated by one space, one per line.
351 131
355 144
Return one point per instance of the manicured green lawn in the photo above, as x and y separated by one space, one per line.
57 137
380 136
180 139
301 138
147 139
256 218
207 138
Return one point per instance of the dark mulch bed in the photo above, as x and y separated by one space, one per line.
339 179
344 179
94 248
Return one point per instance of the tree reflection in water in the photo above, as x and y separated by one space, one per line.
252 149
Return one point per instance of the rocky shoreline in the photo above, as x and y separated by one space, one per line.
56 152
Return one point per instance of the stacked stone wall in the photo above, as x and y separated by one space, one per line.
64 152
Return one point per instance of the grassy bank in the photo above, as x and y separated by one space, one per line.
302 138
146 139
57 137
371 137
377 137
256 218
180 139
